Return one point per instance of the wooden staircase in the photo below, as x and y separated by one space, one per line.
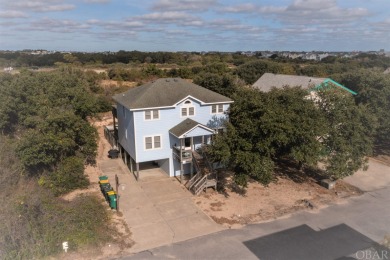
205 176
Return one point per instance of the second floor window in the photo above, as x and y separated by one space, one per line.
187 109
217 109
152 114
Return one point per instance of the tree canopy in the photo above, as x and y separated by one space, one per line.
47 114
286 123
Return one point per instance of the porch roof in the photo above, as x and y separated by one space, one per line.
180 130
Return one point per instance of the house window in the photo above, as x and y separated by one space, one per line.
187 109
217 109
152 142
152 114
184 111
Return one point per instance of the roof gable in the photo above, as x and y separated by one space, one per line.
187 126
167 92
269 80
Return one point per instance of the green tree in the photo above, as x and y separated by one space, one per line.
68 176
349 133
373 88
223 84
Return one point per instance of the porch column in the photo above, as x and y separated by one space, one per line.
137 166
181 161
113 117
192 164
131 164
125 157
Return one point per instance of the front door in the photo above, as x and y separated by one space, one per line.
187 143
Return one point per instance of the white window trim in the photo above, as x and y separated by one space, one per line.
153 148
151 115
187 107
216 109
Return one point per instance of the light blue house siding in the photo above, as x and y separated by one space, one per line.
197 132
126 134
168 118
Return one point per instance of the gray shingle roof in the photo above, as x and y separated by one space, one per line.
166 92
185 126
269 80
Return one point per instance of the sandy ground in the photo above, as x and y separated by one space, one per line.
385 159
260 203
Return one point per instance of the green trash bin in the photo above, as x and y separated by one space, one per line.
112 199
103 177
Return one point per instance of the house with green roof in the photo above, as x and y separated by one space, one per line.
165 121
269 80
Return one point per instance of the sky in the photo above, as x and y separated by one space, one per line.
195 25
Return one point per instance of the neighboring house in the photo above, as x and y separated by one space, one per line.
269 80
165 120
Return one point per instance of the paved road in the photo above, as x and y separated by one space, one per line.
344 231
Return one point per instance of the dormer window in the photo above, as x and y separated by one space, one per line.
187 109
152 114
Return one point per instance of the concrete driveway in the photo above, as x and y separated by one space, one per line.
376 177
158 210
349 230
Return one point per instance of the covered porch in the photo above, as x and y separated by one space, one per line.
185 139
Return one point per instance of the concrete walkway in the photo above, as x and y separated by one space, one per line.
376 177
158 210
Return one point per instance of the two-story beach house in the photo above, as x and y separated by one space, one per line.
163 121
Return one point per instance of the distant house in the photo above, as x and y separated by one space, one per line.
164 121
269 80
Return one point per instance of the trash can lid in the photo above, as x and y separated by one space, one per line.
103 181
111 193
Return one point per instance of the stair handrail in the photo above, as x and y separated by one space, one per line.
201 186
194 180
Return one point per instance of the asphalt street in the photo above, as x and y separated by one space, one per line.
352 230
